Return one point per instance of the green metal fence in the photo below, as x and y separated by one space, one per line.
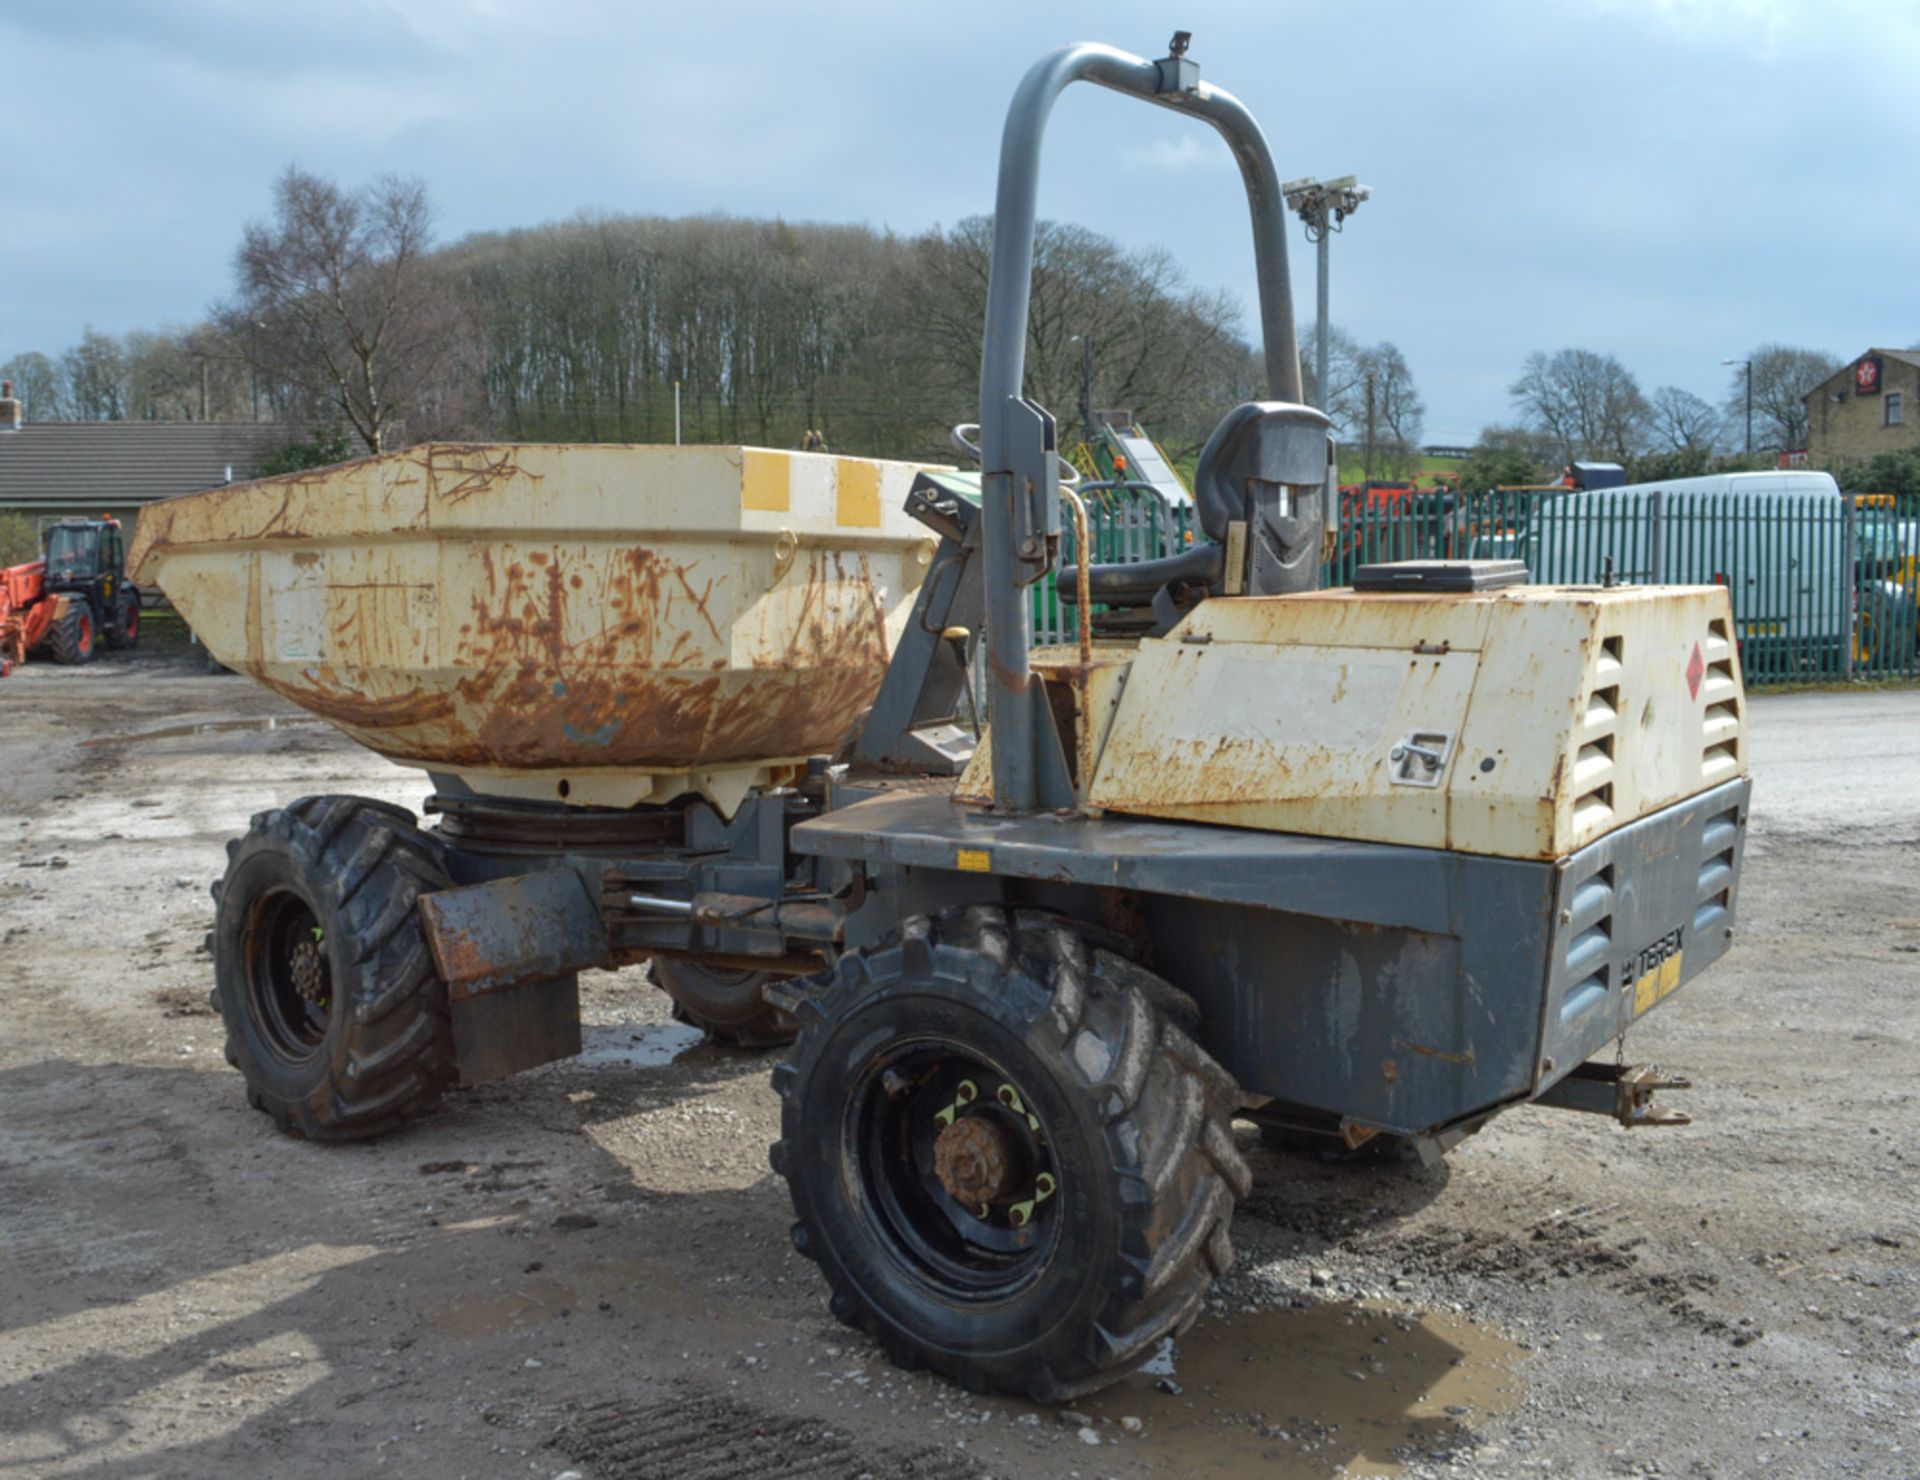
1822 588
1126 523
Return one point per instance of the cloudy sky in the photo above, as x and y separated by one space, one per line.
1672 181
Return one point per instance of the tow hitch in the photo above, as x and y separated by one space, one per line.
1624 1091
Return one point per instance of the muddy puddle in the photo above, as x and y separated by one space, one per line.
542 1297
1305 1391
211 727
1334 1388
650 1047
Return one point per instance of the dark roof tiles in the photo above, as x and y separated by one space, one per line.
122 462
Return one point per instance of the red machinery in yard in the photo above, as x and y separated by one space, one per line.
74 595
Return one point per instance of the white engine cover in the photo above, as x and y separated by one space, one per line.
1522 723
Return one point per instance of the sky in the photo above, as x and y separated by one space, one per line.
1673 182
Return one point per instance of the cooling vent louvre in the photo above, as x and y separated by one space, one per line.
1714 897
1589 944
1720 720
1593 757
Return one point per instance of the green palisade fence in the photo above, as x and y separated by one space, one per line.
1823 589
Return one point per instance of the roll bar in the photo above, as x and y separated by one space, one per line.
1019 480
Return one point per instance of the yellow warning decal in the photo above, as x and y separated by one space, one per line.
973 861
859 494
763 480
1657 983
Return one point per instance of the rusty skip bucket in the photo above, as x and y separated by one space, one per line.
596 624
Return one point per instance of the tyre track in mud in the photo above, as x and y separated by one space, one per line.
702 1435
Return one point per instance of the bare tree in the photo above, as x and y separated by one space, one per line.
1682 422
185 375
36 385
1397 412
1346 392
339 301
164 382
1588 404
95 376
774 329
1782 376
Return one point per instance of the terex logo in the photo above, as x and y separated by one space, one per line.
1653 957
1696 670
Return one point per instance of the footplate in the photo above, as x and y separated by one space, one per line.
1624 1091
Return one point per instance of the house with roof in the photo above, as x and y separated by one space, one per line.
59 469
1871 406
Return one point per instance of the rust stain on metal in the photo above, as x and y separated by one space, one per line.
346 702
1463 1057
973 1161
525 645
459 959
457 471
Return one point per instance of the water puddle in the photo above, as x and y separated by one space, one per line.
544 1298
210 727
624 1047
1310 1391
536 1301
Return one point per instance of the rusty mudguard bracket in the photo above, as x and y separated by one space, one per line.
1624 1091
508 951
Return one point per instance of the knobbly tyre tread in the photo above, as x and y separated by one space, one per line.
763 1026
63 637
117 637
368 863
1120 1038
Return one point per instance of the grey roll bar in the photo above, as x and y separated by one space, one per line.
1019 490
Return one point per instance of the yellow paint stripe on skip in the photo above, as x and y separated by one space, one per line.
859 485
764 478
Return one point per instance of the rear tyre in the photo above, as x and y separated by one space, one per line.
334 1014
72 638
1010 1165
125 632
726 1003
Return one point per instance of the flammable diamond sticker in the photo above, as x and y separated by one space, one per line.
1696 670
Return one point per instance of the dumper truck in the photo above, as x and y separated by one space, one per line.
1381 861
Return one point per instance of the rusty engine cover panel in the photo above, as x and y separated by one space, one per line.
558 611
1521 723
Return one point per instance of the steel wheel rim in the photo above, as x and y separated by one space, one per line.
890 1140
289 981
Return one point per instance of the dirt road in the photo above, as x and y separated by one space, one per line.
587 1269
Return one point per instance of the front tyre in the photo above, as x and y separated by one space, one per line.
1010 1165
333 1011
73 637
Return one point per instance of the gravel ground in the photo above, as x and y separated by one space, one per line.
587 1269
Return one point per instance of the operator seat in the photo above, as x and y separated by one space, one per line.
1265 468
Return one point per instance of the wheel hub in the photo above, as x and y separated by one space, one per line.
309 971
974 1161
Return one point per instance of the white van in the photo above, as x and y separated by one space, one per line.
1777 541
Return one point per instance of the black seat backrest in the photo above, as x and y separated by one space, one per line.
1266 465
